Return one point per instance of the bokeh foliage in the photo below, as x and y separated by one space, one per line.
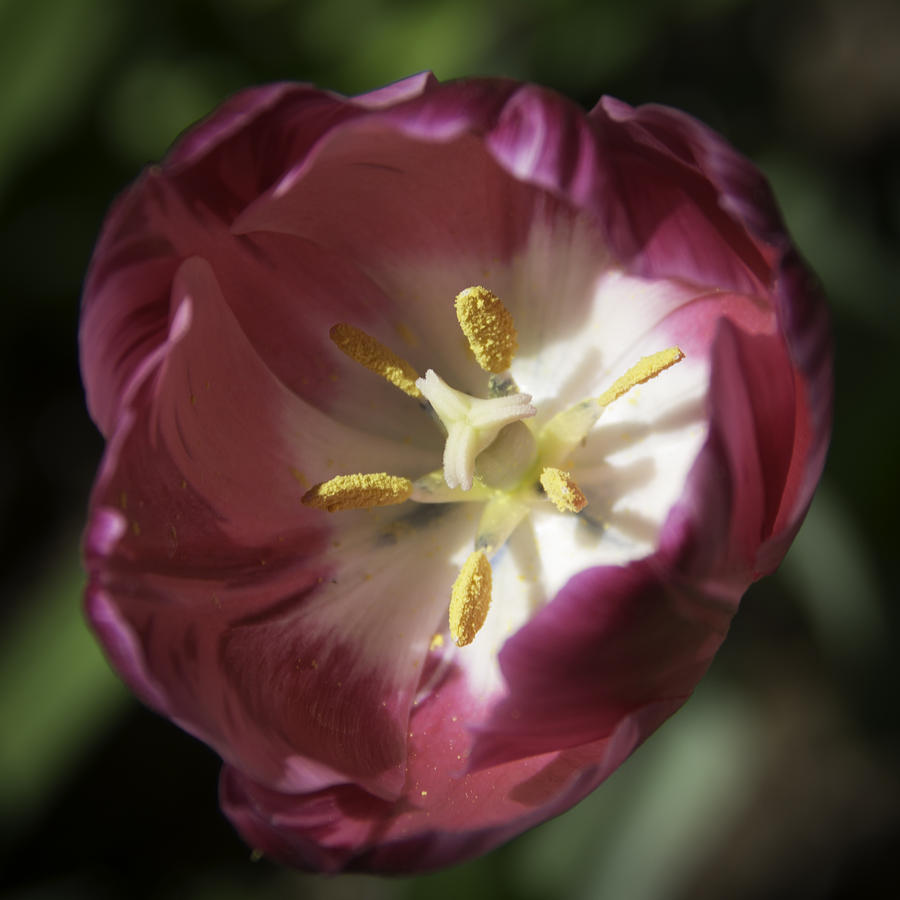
779 777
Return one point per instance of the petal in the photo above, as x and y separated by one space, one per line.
616 639
612 641
224 162
125 311
239 113
420 240
804 318
671 218
212 173
745 193
198 534
398 91
446 815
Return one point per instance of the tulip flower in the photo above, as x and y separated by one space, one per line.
446 426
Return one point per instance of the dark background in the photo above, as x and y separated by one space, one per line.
779 778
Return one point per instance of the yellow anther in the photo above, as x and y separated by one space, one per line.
470 598
372 354
645 369
562 490
488 327
358 492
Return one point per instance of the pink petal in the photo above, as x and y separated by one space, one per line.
445 815
676 219
614 640
398 91
199 536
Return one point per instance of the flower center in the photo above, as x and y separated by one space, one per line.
472 424
492 453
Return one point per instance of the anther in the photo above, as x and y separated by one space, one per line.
642 371
488 327
562 490
372 354
358 492
470 598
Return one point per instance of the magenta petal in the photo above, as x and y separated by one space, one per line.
204 583
235 115
445 815
613 641
398 91
344 829
671 219
225 161
544 139
745 194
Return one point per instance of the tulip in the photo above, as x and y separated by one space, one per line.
446 426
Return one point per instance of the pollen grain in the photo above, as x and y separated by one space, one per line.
562 490
470 598
488 327
372 354
358 492
641 372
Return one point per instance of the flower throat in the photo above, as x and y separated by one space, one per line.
492 453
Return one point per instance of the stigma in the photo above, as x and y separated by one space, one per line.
472 424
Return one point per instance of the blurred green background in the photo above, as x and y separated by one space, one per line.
780 777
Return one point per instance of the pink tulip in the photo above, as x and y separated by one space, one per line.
311 649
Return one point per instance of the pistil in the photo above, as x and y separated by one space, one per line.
472 424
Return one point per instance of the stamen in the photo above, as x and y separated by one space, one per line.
562 490
358 492
566 430
372 354
470 598
488 327
642 371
